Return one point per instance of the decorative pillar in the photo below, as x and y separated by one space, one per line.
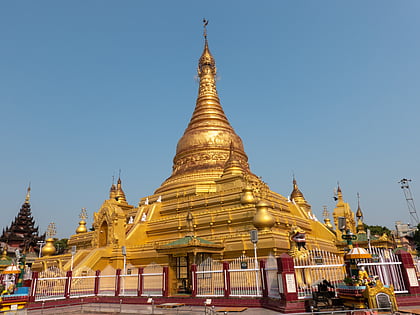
96 285
287 285
194 280
140 281
263 273
409 272
165 281
67 286
34 285
226 279
117 282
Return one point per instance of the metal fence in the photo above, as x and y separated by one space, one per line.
210 280
386 266
152 280
83 285
245 279
55 284
240 278
317 265
51 285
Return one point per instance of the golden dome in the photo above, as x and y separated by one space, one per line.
203 150
49 248
247 196
82 227
328 223
263 219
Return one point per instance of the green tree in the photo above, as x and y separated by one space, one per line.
416 237
60 245
377 229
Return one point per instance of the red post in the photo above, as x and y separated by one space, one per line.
287 285
263 278
165 281
33 286
286 276
117 282
226 278
140 281
194 280
409 272
96 285
67 286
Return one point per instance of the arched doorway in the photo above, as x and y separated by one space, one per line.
103 234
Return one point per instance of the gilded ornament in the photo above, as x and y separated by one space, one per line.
263 219
247 196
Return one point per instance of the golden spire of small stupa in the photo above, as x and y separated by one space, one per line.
51 230
28 194
232 166
113 190
119 193
296 194
359 215
327 219
339 193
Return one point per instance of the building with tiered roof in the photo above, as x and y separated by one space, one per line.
22 234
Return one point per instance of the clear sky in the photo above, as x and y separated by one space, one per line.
327 90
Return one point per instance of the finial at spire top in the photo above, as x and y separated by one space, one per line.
205 23
28 193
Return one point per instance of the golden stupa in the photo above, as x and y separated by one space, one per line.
205 208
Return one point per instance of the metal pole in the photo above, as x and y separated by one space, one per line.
73 252
124 252
40 243
256 268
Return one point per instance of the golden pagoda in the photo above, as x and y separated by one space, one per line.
205 208
342 209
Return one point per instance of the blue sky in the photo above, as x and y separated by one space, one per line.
327 90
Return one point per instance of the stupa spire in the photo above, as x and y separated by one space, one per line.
28 194
205 146
119 193
296 193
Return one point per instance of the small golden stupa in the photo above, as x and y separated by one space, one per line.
49 248
82 223
205 208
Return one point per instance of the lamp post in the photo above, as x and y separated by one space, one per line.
254 240
124 253
73 252
18 256
40 243
349 237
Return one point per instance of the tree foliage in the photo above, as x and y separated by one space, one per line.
416 237
377 230
60 245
